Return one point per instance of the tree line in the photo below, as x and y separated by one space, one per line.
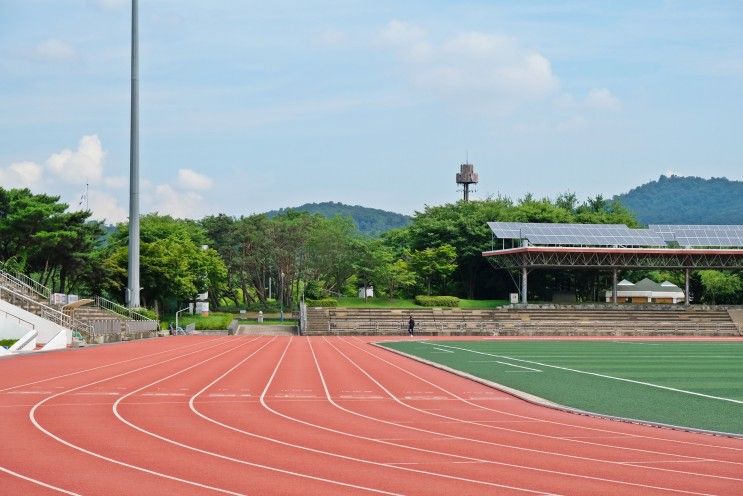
261 261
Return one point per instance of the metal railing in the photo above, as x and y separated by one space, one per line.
44 311
120 309
27 282
11 280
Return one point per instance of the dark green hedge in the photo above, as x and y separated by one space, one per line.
437 301
325 302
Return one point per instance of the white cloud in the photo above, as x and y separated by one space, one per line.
21 175
116 182
482 69
602 99
192 180
179 204
81 166
106 207
408 40
55 50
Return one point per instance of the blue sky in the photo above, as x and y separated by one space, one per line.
250 106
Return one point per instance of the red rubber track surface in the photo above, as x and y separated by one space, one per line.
322 415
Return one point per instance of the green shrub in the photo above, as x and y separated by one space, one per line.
150 314
268 307
437 301
325 302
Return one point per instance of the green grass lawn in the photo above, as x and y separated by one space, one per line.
7 342
349 302
692 384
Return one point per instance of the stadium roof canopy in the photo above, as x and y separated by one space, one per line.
618 235
527 246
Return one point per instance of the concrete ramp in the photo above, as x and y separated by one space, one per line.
58 342
266 330
26 343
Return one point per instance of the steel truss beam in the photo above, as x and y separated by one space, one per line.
540 257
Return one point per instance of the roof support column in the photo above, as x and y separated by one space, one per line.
686 286
523 285
614 286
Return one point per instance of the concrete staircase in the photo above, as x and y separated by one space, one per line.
101 321
569 321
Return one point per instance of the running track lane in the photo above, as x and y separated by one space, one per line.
234 415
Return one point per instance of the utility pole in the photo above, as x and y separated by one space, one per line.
133 286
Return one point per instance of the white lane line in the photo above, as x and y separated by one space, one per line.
34 421
489 443
219 455
596 374
37 482
443 351
667 461
28 392
565 424
533 433
109 365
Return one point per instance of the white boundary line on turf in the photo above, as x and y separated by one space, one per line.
219 455
32 417
535 401
542 402
596 374
520 448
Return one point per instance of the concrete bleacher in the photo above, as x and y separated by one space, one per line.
533 321
87 319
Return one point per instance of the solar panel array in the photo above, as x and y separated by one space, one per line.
701 235
620 235
576 234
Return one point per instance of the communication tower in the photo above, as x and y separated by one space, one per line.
465 177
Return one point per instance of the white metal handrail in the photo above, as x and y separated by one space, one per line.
46 312
120 309
26 281
12 280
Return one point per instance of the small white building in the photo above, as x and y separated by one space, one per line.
647 291
369 293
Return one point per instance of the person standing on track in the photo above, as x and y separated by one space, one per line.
411 325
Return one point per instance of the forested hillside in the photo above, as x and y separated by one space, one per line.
370 221
686 200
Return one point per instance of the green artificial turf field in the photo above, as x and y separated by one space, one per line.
693 384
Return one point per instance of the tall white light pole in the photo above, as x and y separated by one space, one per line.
133 287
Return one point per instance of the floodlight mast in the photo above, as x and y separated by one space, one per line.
133 285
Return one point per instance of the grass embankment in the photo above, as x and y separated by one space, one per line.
405 303
705 376
7 343
215 321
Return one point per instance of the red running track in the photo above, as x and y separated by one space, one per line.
245 415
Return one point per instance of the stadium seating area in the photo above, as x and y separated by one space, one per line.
571 321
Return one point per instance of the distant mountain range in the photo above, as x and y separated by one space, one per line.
669 200
370 221
686 200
